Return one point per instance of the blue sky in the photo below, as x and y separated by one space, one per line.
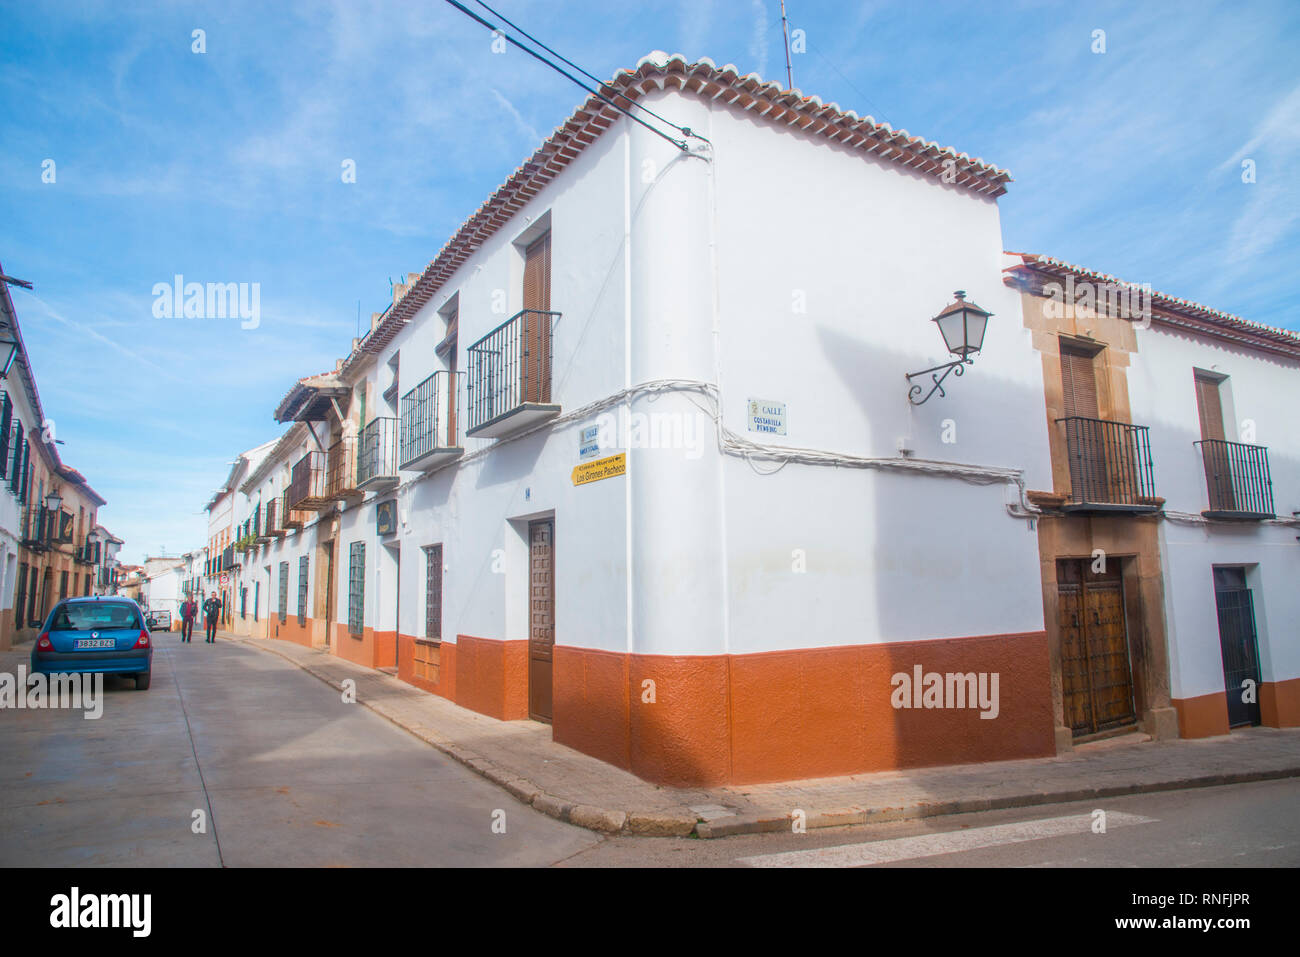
225 167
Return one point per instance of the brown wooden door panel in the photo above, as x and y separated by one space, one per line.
1076 691
1096 673
541 618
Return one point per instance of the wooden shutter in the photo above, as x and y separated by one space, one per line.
1210 406
537 275
6 426
1078 382
535 361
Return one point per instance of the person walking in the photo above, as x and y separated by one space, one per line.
211 611
189 610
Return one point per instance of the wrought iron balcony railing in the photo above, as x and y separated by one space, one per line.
293 517
1110 465
35 528
1237 478
307 483
341 468
509 385
377 454
272 525
429 430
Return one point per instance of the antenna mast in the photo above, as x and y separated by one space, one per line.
785 32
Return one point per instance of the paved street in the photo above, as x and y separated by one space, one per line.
287 774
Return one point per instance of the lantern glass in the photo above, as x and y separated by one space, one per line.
54 501
962 326
952 325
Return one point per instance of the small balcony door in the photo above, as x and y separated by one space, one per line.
1079 399
1218 471
536 359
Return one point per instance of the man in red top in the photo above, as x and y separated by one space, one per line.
189 610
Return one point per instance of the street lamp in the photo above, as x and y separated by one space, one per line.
53 501
962 325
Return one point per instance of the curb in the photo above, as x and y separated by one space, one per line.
666 824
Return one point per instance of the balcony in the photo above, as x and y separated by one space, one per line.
229 557
1110 466
33 535
307 483
341 469
272 527
84 554
429 428
293 517
1237 478
377 454
509 388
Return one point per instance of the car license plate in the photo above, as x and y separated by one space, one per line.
84 643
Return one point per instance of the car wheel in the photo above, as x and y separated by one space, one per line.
142 681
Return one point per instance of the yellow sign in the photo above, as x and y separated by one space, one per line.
600 469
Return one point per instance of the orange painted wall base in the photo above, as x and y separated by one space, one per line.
1203 716
694 721
1279 703
374 649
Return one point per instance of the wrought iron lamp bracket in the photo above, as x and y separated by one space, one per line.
956 367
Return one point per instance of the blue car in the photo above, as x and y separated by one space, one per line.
95 635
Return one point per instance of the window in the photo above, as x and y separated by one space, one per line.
6 426
433 593
243 602
63 585
284 592
86 587
102 615
302 590
357 588
257 593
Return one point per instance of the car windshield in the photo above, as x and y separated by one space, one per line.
95 616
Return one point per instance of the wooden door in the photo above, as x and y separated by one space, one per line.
541 617
1096 676
1214 451
535 361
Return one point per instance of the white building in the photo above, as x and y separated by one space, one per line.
164 585
635 455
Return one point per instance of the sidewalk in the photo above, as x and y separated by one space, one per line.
521 757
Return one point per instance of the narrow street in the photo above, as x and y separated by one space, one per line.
287 774
284 771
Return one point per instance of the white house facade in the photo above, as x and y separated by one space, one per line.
635 455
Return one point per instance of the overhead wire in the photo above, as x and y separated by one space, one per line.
680 144
685 130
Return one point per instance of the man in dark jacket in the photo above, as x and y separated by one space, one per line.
211 611
189 611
